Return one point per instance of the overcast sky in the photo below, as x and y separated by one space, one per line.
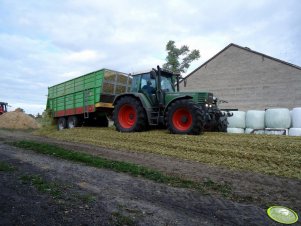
43 43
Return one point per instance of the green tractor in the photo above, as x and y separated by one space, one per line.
155 100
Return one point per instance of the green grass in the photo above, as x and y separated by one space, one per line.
5 167
124 167
268 154
86 198
118 219
42 185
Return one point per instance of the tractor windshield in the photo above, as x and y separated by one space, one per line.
167 84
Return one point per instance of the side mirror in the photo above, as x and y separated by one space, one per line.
153 75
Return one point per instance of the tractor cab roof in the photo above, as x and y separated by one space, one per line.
164 72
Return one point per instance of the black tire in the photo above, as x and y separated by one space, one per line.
72 122
222 124
129 115
185 117
61 123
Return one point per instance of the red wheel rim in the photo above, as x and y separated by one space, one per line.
127 116
182 119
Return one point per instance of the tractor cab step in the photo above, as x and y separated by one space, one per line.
154 117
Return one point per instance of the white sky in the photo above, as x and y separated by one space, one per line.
43 43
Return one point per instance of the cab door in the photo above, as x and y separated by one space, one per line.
148 86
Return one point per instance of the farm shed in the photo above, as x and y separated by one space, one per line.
248 79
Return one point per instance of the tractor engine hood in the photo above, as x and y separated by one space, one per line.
198 97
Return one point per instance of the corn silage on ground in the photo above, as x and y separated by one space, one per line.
269 154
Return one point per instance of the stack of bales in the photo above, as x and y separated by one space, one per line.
255 122
296 122
237 122
277 121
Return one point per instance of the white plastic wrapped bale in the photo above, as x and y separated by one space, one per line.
276 131
296 117
291 114
255 119
294 132
235 130
254 131
277 118
248 130
238 120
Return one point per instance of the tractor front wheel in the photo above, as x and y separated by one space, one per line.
185 117
222 124
129 115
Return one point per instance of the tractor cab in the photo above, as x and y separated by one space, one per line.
165 81
3 107
155 84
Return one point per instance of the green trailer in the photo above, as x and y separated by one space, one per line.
86 99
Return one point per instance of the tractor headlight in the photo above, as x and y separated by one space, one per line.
206 105
210 105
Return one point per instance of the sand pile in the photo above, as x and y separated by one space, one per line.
17 120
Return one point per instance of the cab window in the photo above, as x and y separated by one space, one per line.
135 84
167 84
148 85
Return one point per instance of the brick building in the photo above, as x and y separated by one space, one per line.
248 79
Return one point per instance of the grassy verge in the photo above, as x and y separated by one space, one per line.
56 189
129 168
117 219
268 154
6 167
42 185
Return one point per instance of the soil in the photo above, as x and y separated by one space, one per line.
120 199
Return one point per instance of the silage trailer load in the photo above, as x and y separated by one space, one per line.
86 99
135 102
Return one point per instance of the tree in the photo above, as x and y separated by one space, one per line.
173 57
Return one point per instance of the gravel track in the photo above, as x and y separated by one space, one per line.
143 202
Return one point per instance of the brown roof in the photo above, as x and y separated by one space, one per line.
246 49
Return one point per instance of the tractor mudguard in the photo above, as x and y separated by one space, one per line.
144 101
141 97
175 99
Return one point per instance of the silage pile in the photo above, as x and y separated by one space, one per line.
17 120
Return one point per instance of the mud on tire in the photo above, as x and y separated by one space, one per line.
184 117
129 115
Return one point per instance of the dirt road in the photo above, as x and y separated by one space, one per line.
90 196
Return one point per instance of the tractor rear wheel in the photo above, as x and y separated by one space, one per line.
61 123
185 117
129 115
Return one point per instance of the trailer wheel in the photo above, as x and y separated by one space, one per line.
72 121
129 115
61 123
184 117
